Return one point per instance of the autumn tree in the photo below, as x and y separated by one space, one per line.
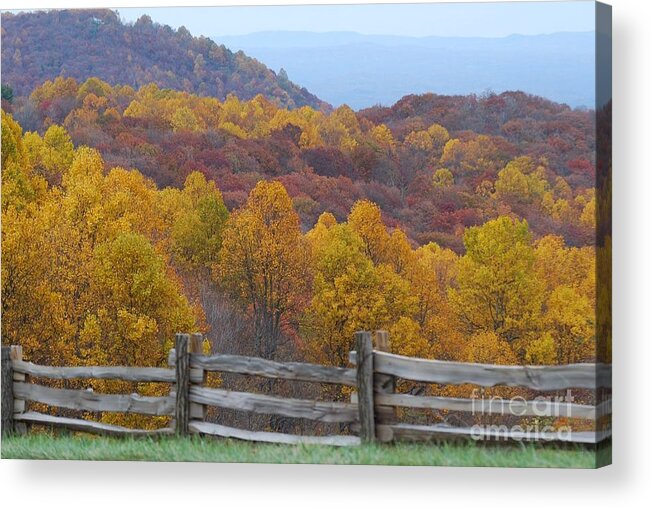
50 155
432 271
263 262
81 282
352 294
569 275
197 231
521 180
136 306
19 183
498 290
365 219
480 154
443 178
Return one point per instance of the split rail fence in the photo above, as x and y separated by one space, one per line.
371 412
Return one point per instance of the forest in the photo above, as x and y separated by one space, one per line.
466 226
434 164
79 43
101 266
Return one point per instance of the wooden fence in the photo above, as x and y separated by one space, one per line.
383 369
371 413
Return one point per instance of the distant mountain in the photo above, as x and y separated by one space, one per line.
365 70
41 45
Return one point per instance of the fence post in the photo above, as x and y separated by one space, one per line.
384 383
364 347
197 411
182 407
7 392
19 404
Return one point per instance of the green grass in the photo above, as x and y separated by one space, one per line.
75 447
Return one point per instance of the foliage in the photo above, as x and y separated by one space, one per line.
85 276
35 43
7 93
281 232
263 262
433 181
497 288
318 288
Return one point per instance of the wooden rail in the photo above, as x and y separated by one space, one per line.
214 429
409 432
496 406
372 411
137 374
275 370
538 377
87 425
86 400
340 412
493 406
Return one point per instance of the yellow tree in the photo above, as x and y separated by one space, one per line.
197 232
399 253
570 318
19 183
542 351
407 338
134 309
263 262
420 140
83 196
488 347
522 180
184 119
34 312
129 204
569 275
431 273
440 136
136 306
351 294
498 290
51 155
382 138
365 219
46 252
443 178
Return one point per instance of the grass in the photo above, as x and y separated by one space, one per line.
195 449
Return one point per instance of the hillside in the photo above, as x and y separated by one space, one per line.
39 46
435 164
363 70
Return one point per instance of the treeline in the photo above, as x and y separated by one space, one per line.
435 165
42 45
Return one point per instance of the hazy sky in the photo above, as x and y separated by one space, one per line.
452 19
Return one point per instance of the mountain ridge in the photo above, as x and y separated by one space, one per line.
41 45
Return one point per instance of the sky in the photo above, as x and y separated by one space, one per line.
441 19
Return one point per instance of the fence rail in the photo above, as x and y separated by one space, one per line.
338 412
537 377
88 400
494 406
372 411
91 427
137 374
407 432
293 371
213 429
